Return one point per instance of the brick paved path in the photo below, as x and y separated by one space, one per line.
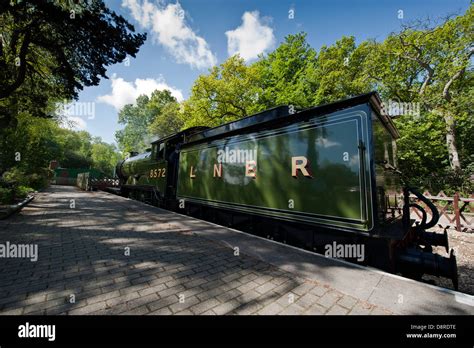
83 268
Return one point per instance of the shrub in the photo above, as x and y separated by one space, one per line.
36 180
22 191
15 176
451 181
6 195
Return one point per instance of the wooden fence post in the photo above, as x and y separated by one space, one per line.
457 213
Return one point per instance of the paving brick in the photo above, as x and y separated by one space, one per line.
319 290
103 297
303 288
142 300
329 299
162 311
176 290
195 282
287 299
248 287
347 301
204 306
337 310
209 312
122 299
137 311
188 302
248 308
307 300
88 309
226 307
185 312
361 308
292 309
271 309
262 279
379 311
163 302
265 287
229 295
83 255
152 289
316 309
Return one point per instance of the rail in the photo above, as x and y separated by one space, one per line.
455 211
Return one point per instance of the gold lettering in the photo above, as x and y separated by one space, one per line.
192 175
251 169
299 163
218 170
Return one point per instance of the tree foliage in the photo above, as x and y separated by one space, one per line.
55 47
229 92
50 50
148 119
423 63
430 65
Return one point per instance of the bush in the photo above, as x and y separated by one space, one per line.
6 195
22 191
38 181
451 181
17 177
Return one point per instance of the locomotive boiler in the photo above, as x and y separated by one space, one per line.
308 178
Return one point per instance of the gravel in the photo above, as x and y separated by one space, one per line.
463 245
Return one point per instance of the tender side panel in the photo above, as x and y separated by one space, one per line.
331 185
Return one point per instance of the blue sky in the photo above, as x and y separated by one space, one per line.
186 38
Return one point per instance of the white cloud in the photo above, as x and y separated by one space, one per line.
169 27
125 92
251 38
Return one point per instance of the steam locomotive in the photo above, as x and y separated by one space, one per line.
303 177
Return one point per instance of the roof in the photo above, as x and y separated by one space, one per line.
261 117
186 132
282 113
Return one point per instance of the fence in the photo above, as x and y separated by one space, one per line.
101 184
454 211
88 183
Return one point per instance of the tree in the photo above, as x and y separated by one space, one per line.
136 119
337 72
168 121
430 65
229 92
284 74
58 48
166 114
104 157
151 118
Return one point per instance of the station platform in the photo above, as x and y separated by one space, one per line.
99 253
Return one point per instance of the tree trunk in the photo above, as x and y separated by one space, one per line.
451 141
395 153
